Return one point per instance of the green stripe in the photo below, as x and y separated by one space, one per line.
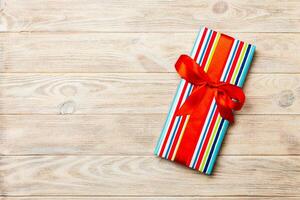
237 69
216 126
212 52
210 143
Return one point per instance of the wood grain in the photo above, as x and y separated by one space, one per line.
106 93
85 87
136 135
137 175
150 15
131 52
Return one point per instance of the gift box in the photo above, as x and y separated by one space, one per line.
201 111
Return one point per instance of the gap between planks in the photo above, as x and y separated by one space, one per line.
142 197
141 32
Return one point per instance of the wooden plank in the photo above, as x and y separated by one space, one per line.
131 52
106 93
136 135
150 15
56 135
136 175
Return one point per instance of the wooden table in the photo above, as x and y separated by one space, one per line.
85 87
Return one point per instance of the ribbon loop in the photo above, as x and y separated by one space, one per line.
228 96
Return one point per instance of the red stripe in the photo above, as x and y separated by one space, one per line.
176 138
196 121
193 129
209 48
183 92
210 72
235 61
173 119
217 112
200 44
191 142
212 124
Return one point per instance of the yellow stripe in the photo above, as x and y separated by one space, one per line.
180 137
208 148
212 52
216 41
216 126
239 63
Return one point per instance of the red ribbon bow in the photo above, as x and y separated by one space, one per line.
227 96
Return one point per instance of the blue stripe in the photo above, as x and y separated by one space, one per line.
172 138
226 123
176 128
190 88
210 117
163 132
202 55
245 72
221 125
214 144
243 64
205 47
230 63
217 149
204 133
231 60
195 43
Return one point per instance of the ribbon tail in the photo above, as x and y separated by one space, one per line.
224 111
235 96
191 102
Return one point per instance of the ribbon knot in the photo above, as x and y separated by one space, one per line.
228 97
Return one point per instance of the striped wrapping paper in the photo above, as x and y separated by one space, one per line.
199 151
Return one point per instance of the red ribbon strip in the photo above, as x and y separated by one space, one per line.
228 97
